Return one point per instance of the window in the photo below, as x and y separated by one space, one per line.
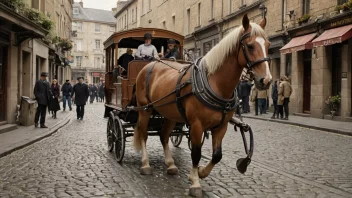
164 25
150 4
36 4
97 27
198 23
206 47
173 22
77 26
188 21
230 6
78 61
132 15
212 9
126 21
97 44
243 2
112 29
340 2
284 12
136 14
75 11
288 64
97 62
78 45
306 7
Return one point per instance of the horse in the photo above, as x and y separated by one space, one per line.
245 47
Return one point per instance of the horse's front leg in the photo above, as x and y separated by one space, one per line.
196 152
166 130
217 136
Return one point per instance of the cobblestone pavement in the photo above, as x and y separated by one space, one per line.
288 162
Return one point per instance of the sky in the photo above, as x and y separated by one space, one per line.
99 4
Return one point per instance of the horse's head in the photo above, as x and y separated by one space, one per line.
253 51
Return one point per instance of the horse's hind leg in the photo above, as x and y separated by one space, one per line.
166 130
217 136
196 152
140 140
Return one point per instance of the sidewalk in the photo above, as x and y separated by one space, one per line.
26 135
344 128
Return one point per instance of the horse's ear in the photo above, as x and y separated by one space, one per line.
245 22
263 23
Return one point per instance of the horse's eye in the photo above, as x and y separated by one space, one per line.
250 47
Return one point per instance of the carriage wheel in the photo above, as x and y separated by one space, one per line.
189 140
120 140
110 133
176 140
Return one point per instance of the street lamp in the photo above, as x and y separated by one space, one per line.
264 9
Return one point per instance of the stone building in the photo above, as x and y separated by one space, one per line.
91 27
25 51
314 72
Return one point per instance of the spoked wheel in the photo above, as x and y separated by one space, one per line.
176 140
110 133
189 140
119 140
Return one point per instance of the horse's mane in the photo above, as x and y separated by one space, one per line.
216 56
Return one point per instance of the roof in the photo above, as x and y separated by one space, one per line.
90 14
124 7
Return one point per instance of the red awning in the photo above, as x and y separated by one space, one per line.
332 36
298 44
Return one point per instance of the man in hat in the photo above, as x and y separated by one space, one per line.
66 93
172 51
41 93
147 51
125 59
82 94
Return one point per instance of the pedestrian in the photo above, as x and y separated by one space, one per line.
102 92
92 93
245 90
285 92
66 94
280 100
97 92
54 104
262 96
274 96
124 60
81 93
254 98
42 95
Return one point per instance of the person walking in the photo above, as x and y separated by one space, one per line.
54 105
285 92
42 95
66 94
81 93
262 96
254 98
97 92
280 100
245 90
274 96
101 92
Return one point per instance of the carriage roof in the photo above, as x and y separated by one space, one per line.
134 37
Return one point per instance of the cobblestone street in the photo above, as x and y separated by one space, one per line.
288 161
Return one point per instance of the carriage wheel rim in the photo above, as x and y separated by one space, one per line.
109 136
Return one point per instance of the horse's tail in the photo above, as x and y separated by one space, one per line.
136 139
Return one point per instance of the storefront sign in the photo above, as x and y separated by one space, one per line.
96 74
341 22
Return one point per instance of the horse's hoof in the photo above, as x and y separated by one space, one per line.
146 170
172 170
201 172
195 191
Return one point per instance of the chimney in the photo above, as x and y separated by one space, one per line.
81 3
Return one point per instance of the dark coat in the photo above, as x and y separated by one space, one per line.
274 92
245 89
101 91
66 89
172 53
41 92
54 104
93 90
124 60
82 93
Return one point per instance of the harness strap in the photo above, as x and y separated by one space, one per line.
180 107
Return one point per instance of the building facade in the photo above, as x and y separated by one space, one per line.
90 28
315 72
26 50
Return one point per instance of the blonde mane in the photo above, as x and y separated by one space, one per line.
216 56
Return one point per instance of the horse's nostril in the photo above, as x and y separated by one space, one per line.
261 81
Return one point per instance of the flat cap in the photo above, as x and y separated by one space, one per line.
44 74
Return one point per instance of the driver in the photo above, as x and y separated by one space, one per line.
147 50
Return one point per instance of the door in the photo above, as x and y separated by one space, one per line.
307 65
3 63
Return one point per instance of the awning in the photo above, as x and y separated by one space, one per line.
332 36
298 44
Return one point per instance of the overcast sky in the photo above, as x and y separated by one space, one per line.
99 4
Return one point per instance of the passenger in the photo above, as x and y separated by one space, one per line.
172 51
125 59
147 51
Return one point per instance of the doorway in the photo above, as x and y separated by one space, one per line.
3 82
307 75
336 70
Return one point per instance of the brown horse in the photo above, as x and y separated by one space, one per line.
224 65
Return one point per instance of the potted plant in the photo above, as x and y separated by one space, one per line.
304 19
333 102
65 44
344 7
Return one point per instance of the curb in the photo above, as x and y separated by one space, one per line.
25 143
337 131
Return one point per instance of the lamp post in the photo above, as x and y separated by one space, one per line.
264 9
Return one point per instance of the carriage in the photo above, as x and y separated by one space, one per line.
119 89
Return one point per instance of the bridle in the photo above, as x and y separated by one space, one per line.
250 64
